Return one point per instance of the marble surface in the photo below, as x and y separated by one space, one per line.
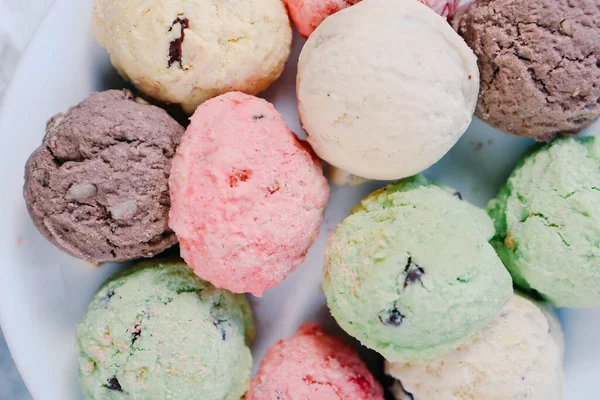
18 21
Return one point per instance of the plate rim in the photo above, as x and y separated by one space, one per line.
26 54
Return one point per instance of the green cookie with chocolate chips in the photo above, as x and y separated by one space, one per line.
410 272
156 331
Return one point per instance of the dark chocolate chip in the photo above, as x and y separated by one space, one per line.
137 332
458 194
113 384
135 336
217 317
261 116
110 294
44 179
413 273
175 51
391 317
218 323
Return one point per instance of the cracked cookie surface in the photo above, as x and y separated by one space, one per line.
539 64
97 187
548 224
156 331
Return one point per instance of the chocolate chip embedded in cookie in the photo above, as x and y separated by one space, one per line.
97 187
164 334
184 52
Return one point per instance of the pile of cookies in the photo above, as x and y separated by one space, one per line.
385 88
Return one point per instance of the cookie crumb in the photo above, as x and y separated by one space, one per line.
509 241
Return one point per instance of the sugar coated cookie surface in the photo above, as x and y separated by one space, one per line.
187 51
308 14
547 219
519 356
410 272
157 331
97 187
384 108
247 196
313 365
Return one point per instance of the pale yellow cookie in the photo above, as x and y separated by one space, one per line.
188 51
385 88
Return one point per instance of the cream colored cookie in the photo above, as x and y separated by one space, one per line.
385 88
519 356
188 51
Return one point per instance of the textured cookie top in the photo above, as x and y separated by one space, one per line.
547 220
248 197
410 272
539 64
313 365
98 185
518 356
383 108
157 331
187 51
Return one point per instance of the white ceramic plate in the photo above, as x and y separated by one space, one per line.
43 292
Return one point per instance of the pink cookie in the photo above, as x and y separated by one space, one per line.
308 14
247 197
313 366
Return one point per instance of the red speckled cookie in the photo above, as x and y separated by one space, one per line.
313 365
248 197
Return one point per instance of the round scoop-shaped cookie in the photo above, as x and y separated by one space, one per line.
97 187
385 88
547 219
247 196
539 62
410 272
518 356
187 51
158 331
313 365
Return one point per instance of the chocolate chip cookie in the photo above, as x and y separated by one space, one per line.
97 187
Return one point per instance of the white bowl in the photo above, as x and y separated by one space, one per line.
44 293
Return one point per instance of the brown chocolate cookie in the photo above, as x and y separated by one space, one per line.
539 63
97 187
